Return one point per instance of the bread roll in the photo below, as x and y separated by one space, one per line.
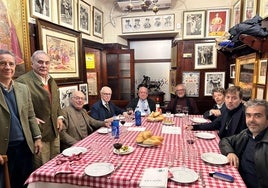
151 141
160 138
139 139
146 134
155 114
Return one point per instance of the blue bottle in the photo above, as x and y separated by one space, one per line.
138 118
115 128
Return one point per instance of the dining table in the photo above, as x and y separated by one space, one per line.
69 171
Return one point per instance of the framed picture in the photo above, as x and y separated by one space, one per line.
92 83
174 57
83 88
41 9
172 80
205 56
191 81
66 13
194 24
232 71
260 92
249 9
217 22
262 71
63 46
65 93
237 12
263 8
246 68
84 17
97 22
213 80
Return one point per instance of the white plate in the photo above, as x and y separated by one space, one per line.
122 152
145 145
103 130
179 115
74 151
99 169
214 158
205 135
199 120
168 123
183 175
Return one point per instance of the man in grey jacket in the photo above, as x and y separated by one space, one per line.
248 150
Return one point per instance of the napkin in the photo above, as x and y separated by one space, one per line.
65 168
154 178
136 128
128 124
171 130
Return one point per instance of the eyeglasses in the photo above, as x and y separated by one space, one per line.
107 94
180 90
79 98
3 64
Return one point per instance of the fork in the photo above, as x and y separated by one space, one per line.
201 179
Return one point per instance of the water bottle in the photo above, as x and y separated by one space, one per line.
138 118
115 128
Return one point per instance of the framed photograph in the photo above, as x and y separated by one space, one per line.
191 80
155 23
237 12
194 24
97 22
41 9
213 80
66 13
217 22
260 92
172 80
249 9
65 93
232 71
92 83
262 71
83 88
63 46
205 56
263 8
84 17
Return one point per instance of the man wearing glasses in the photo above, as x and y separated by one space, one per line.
104 109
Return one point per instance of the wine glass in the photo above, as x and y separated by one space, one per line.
185 110
129 113
118 146
145 110
178 108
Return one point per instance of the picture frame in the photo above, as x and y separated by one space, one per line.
218 22
66 67
249 9
84 88
84 17
92 82
174 56
191 80
97 22
213 80
262 71
263 8
64 93
260 92
66 13
194 24
237 12
205 56
172 80
41 10
232 71
156 23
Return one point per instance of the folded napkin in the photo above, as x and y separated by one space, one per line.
171 130
136 128
64 168
154 178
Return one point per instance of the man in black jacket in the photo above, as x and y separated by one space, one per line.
248 150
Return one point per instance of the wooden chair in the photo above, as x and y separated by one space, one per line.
6 173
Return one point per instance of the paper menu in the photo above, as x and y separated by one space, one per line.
154 178
171 130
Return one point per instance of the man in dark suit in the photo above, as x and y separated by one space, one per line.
20 136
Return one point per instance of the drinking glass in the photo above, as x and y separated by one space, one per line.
178 109
185 110
117 145
170 158
129 113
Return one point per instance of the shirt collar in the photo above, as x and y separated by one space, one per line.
43 80
5 88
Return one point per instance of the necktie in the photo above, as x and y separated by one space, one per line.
107 106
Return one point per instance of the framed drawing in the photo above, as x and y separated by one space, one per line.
97 22
263 8
63 46
14 33
191 81
41 9
217 22
92 83
65 93
213 80
249 9
194 24
262 71
205 56
245 74
172 80
66 13
83 88
232 71
84 17
260 92
237 12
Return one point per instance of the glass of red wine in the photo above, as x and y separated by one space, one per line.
118 146
129 113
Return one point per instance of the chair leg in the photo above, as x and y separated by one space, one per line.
6 173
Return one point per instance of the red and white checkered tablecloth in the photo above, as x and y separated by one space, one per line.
130 173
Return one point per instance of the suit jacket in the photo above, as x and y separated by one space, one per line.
44 109
100 112
71 133
133 104
26 116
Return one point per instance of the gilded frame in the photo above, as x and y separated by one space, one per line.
262 71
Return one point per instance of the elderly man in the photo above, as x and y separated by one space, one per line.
46 102
104 109
182 100
20 136
77 123
142 103
248 150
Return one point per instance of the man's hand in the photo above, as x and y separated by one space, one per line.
215 112
233 160
59 124
37 146
1 160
